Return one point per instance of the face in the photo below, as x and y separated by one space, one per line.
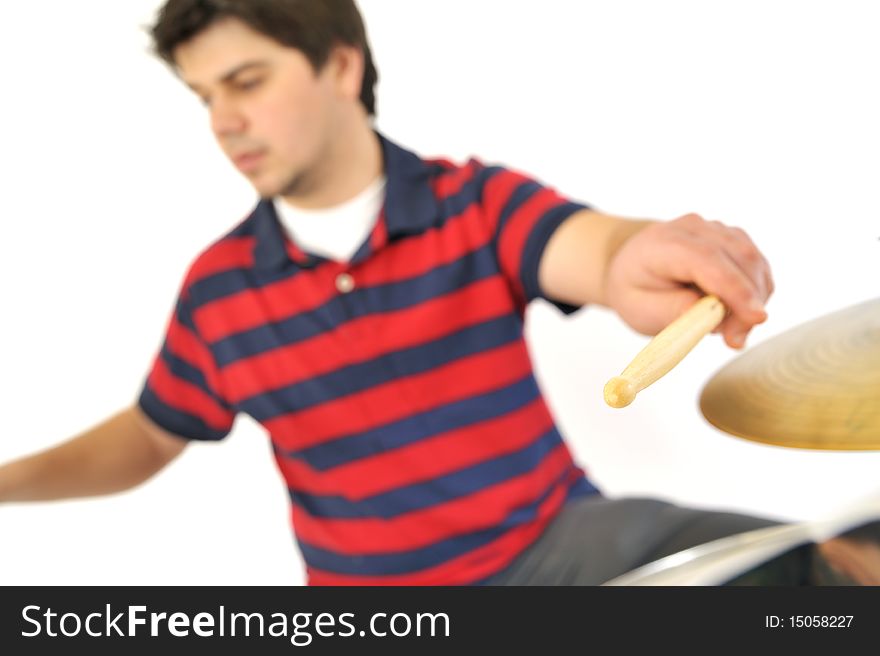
271 113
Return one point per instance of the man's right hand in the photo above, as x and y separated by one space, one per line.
123 451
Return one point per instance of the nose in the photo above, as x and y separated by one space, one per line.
226 119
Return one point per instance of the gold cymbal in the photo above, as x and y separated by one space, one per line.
816 386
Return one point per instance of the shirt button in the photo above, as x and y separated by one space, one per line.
344 283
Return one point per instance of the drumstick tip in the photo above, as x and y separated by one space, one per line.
619 392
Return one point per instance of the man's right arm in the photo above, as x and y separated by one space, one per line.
123 451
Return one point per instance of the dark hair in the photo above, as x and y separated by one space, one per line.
311 26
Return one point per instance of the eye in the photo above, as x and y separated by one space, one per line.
248 83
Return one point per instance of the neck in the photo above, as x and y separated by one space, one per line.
352 161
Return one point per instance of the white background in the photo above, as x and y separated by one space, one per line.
759 114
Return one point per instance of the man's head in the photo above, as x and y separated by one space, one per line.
282 79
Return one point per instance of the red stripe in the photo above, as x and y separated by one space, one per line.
480 510
404 397
472 566
308 290
366 338
424 460
186 397
181 341
417 255
255 307
450 183
517 230
294 252
379 235
186 346
230 253
497 192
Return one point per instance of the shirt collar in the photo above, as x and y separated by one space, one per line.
409 208
410 205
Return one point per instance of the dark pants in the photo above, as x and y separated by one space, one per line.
595 539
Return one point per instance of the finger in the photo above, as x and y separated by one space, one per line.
678 301
706 263
660 307
735 331
738 244
742 250
691 222
743 254
769 285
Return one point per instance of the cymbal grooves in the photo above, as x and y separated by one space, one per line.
816 386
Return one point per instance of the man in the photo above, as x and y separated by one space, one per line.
369 315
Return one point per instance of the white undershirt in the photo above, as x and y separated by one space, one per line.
333 232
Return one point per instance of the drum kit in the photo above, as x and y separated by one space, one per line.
816 386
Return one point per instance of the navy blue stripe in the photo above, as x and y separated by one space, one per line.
451 416
218 285
581 488
184 371
445 279
534 249
175 421
184 316
407 562
393 366
470 193
234 280
524 191
437 491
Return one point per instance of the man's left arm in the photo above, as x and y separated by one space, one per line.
650 272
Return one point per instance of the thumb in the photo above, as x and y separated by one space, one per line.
680 301
651 312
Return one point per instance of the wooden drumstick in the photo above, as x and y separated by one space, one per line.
665 351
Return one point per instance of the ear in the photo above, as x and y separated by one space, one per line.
345 65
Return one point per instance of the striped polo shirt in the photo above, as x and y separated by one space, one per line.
396 388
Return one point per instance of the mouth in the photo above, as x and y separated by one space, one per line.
247 162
